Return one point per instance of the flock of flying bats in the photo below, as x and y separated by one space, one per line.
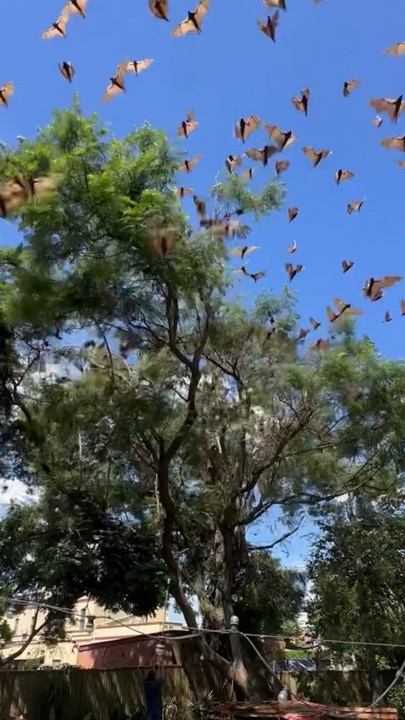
15 193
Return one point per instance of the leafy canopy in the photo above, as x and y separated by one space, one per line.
190 414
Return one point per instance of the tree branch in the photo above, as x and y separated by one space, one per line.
34 632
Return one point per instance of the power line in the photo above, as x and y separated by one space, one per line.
227 631
195 632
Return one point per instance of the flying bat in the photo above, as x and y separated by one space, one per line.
281 166
183 191
389 106
6 91
302 103
245 126
355 206
349 86
347 265
394 143
373 288
269 28
137 66
398 49
346 308
254 276
159 8
58 28
315 155
292 213
242 252
117 82
248 174
161 241
283 139
187 165
262 154
343 175
279 4
233 162
200 206
14 194
187 126
67 70
76 7
293 271
320 344
193 21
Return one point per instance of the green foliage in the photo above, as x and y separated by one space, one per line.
258 610
191 415
70 545
358 574
396 699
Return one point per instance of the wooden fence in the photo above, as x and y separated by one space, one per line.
76 694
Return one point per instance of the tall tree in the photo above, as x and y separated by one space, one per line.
205 411
358 574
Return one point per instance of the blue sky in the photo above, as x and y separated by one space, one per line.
230 71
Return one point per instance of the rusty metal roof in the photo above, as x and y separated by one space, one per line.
300 710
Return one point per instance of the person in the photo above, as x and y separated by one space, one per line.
153 696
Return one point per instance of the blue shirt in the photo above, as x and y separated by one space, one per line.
153 696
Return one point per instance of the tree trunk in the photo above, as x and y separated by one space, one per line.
375 680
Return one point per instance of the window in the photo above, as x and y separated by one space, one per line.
55 663
82 621
90 623
16 623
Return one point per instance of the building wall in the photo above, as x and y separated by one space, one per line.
79 631
126 652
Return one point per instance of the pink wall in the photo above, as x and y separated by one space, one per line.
123 653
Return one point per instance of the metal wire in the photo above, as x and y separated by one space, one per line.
195 631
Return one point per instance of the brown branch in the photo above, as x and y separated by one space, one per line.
279 540
34 632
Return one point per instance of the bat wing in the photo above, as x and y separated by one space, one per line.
201 11
298 104
394 143
273 131
111 92
184 28
382 105
7 90
254 154
121 71
159 8
310 153
397 49
193 162
50 33
47 184
63 19
388 281
339 304
144 64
